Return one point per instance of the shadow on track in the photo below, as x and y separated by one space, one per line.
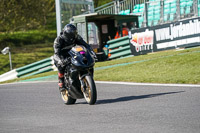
129 98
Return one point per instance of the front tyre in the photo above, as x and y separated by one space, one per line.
90 92
66 98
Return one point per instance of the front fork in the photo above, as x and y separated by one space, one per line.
83 85
82 77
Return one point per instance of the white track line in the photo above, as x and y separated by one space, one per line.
31 82
148 84
117 83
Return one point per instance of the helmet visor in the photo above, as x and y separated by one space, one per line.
69 37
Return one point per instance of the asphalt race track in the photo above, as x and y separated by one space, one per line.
38 108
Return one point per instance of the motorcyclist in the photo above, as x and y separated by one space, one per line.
62 44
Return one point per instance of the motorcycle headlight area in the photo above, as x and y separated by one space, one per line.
80 49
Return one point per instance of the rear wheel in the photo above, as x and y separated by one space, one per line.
66 98
90 92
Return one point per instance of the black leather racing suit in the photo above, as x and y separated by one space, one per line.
61 49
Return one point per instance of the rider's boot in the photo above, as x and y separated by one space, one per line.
61 83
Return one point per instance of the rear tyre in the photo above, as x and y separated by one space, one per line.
90 93
66 98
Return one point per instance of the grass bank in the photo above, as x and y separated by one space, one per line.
21 38
26 47
25 55
161 67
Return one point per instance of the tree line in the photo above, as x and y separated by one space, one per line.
18 15
23 15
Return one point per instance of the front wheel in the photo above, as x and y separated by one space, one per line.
66 98
90 92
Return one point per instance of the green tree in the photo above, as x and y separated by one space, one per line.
24 14
100 2
16 15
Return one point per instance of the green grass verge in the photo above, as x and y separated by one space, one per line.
52 73
25 55
26 47
21 38
160 67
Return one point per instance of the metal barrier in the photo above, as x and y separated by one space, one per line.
29 70
115 7
35 68
153 12
108 8
119 48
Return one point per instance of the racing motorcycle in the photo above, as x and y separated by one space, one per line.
79 77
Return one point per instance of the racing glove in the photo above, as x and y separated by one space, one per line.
64 62
61 63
